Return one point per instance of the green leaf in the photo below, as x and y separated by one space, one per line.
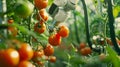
30 33
113 57
116 11
50 2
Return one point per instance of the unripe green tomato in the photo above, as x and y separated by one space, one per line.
23 8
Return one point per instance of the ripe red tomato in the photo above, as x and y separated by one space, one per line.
63 31
10 57
40 4
52 59
85 51
25 51
39 27
55 39
82 45
25 64
49 50
42 15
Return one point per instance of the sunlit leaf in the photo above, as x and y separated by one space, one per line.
113 57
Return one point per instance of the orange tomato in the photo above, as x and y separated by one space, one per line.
40 4
25 64
42 15
49 50
63 31
10 21
25 51
39 27
10 58
52 59
55 39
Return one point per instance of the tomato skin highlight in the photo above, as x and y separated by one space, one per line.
49 50
25 51
54 39
40 4
63 31
10 58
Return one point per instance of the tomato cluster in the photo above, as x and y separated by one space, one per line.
20 53
55 39
12 57
84 50
41 16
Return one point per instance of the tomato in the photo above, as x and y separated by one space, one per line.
109 41
13 31
2 62
88 50
38 55
10 21
24 8
25 51
49 50
52 59
63 31
82 45
10 57
85 51
39 27
42 15
25 64
40 63
13 43
118 42
102 56
55 39
40 4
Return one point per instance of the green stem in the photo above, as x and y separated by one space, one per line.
111 26
76 29
29 28
87 28
86 24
